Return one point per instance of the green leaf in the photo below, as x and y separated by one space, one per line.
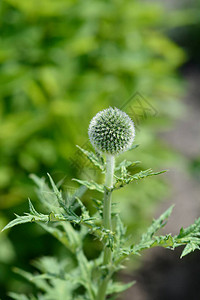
55 189
190 247
32 209
126 163
59 235
41 284
46 196
97 161
20 296
41 218
118 287
120 236
19 220
54 282
194 228
157 224
121 182
77 194
92 185
86 273
34 216
166 241
190 237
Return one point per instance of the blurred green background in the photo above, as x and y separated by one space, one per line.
61 61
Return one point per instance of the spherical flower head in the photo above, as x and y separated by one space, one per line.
111 131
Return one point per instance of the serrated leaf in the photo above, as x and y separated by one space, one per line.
84 265
15 296
19 220
54 281
55 189
51 265
126 163
164 241
157 224
41 284
121 182
97 162
190 247
59 235
78 193
184 232
118 287
40 218
144 174
92 185
120 232
32 209
86 275
190 237
46 196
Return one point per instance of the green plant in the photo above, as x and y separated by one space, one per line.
58 57
69 220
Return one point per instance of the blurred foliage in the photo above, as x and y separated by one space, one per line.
188 34
194 168
60 63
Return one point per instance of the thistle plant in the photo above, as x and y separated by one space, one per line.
111 132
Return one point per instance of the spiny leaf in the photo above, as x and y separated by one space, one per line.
190 237
52 283
120 232
93 158
86 275
41 284
120 182
15 296
84 265
59 235
55 189
32 209
92 185
126 163
50 264
18 220
41 218
118 287
73 241
194 228
78 193
166 241
46 196
157 224
34 216
190 247
85 213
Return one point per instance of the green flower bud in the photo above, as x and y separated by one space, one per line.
111 131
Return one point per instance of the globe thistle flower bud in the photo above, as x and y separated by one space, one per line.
111 131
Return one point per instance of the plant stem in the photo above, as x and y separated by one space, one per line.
110 165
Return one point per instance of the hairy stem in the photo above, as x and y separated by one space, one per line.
110 165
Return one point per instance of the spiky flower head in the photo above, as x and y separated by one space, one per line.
111 131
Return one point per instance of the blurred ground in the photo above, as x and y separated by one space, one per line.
163 275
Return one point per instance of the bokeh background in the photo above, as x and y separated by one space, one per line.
60 63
